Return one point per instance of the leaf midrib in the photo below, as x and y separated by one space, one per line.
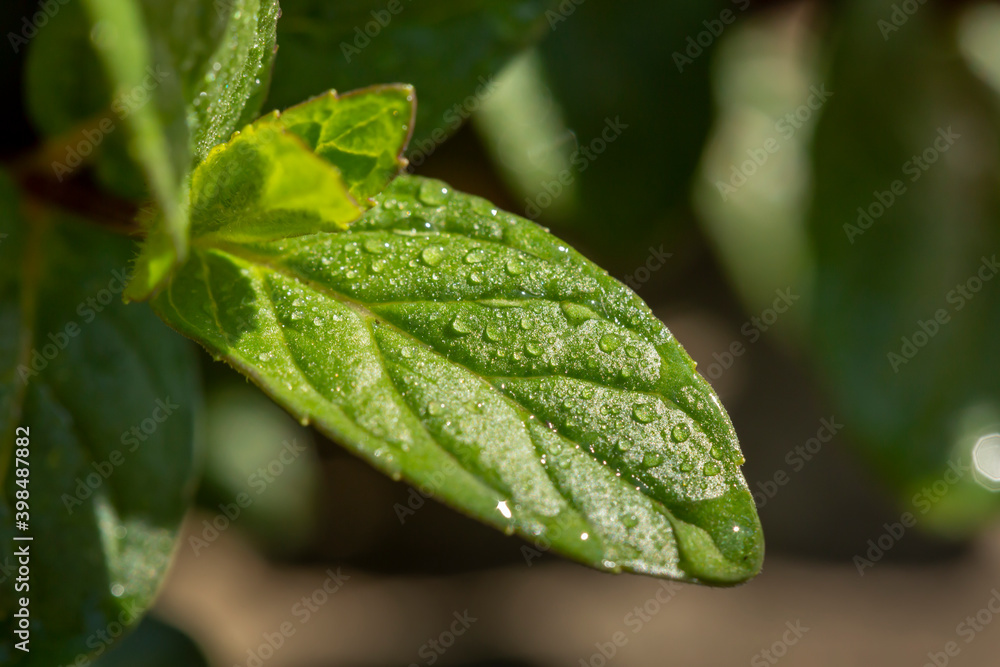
241 253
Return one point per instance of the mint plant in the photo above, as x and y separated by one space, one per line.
420 327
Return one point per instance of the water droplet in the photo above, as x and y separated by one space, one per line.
378 266
297 315
587 394
317 321
374 246
711 469
515 268
686 466
609 343
434 409
644 413
680 433
651 460
633 352
351 274
474 257
476 278
460 327
623 445
526 323
406 352
630 520
432 255
717 453
117 590
493 333
433 193
533 349
577 314
264 356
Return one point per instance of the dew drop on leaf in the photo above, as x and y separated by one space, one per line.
515 268
432 255
609 343
374 246
460 327
493 333
474 257
644 413
651 460
433 193
680 433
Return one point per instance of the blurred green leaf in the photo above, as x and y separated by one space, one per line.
153 643
67 97
262 463
755 177
472 353
110 396
636 95
526 134
904 228
449 50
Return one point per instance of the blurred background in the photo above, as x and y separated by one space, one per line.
806 193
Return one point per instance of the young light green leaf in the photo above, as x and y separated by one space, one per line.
363 132
108 397
470 352
292 173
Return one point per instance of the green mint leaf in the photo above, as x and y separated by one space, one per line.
450 50
291 173
109 479
470 352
